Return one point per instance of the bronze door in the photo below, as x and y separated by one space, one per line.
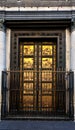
37 82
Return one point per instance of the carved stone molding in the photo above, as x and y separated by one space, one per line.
2 27
72 24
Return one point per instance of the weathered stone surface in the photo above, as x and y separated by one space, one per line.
36 3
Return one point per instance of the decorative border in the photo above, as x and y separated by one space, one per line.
60 35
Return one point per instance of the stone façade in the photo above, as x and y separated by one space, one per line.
36 3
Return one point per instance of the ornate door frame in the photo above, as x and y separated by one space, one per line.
58 35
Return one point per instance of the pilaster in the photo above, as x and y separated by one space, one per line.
2 55
68 44
73 56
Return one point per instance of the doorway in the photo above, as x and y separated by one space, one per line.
37 61
37 77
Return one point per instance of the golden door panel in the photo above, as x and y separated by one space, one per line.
28 63
28 50
28 101
47 63
46 75
46 50
46 88
37 80
46 102
28 76
28 88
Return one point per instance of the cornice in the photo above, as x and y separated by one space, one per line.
36 15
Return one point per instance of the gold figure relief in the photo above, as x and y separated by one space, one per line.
46 50
47 88
47 63
28 101
28 50
28 76
46 76
28 88
28 62
47 102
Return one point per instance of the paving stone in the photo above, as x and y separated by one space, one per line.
37 125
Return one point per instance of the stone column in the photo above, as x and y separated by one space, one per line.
68 39
68 43
8 41
2 54
73 56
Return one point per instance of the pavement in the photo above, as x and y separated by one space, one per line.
36 125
